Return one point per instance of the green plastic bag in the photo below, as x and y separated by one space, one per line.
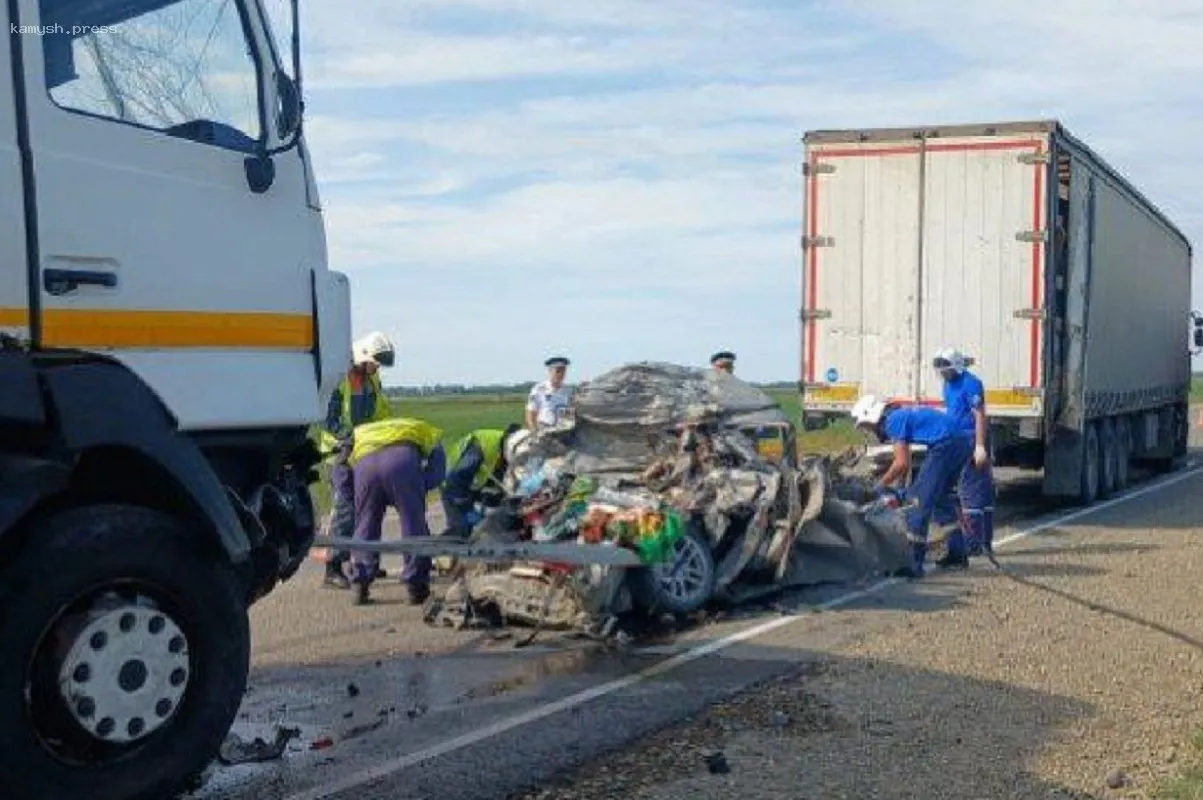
658 548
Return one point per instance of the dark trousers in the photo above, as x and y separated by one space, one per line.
342 511
934 492
977 496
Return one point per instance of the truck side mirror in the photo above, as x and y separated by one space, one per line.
1199 334
260 172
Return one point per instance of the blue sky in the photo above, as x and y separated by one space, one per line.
618 180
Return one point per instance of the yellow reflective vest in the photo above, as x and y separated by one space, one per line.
489 440
382 410
372 437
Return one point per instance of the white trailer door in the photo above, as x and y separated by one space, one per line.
860 273
154 248
983 264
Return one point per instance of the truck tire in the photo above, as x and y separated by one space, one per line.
125 657
1123 453
1089 487
1108 456
682 585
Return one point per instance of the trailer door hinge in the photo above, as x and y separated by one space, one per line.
811 314
1031 313
816 168
817 241
1032 236
1032 158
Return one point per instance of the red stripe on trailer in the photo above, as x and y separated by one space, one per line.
1037 299
812 277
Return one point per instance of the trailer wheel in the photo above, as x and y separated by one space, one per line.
1089 491
125 657
1108 458
1123 453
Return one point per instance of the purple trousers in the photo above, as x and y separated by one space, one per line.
396 477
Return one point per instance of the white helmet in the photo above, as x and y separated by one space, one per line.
868 410
951 358
514 442
375 347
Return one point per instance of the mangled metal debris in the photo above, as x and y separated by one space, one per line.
664 460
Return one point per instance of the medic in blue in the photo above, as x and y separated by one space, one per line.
932 495
965 402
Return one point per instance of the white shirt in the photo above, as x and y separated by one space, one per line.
549 404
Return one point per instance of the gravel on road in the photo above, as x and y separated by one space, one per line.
1077 673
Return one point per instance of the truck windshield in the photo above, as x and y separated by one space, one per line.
184 67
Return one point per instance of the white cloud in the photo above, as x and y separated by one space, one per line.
661 149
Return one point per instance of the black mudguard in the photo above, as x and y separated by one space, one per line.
103 404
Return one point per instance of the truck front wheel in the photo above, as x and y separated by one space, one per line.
126 647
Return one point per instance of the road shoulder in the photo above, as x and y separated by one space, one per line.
1077 674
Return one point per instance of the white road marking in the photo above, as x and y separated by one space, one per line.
667 665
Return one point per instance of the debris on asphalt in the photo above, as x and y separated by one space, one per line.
324 743
235 750
359 730
352 690
716 762
665 460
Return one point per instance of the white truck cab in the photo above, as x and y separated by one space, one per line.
169 330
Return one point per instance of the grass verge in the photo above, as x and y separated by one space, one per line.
1189 783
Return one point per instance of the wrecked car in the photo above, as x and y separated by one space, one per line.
696 470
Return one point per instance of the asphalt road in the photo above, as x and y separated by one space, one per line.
398 709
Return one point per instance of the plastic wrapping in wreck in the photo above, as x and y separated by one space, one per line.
685 438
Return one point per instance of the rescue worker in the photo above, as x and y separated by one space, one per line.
359 398
478 463
549 399
723 361
965 401
931 494
397 462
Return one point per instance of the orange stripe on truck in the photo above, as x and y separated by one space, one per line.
128 330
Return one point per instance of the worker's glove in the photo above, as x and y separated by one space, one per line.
980 457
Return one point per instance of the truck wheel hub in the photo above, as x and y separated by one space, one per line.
125 674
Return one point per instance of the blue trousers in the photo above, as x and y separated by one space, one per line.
977 497
396 477
934 495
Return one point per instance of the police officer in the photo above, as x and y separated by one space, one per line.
549 399
948 449
478 465
358 399
723 361
965 402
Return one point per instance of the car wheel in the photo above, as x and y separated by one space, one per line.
684 583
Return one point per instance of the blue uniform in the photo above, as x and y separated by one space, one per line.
963 395
948 449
